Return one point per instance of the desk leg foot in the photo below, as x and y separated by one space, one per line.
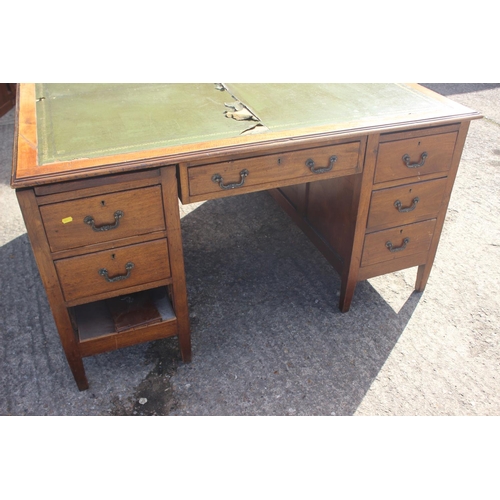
422 277
81 382
184 334
185 347
70 346
346 294
78 370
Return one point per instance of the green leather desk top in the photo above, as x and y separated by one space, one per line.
94 120
293 106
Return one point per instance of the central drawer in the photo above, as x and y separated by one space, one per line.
113 270
252 174
107 217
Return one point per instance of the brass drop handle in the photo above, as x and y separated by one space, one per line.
217 178
106 227
128 267
320 170
412 207
423 157
397 249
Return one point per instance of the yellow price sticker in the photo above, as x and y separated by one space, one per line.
67 219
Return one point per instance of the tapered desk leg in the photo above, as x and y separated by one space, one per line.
347 288
185 344
422 277
48 275
70 346
177 261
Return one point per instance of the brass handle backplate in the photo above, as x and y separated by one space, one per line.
106 227
320 170
128 267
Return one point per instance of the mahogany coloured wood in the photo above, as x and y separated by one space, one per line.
110 271
7 97
361 213
397 242
428 108
355 222
110 216
405 204
414 157
48 274
288 167
87 266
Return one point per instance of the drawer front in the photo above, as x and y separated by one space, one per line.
402 241
252 174
97 219
405 204
113 270
414 157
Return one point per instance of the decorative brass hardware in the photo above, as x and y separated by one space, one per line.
128 267
412 207
217 178
106 227
406 159
321 170
397 249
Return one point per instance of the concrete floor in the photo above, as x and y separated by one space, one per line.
268 338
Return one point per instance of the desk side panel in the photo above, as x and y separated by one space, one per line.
48 274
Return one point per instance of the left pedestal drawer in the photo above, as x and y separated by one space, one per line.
106 217
111 271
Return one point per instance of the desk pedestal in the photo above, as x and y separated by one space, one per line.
390 216
109 253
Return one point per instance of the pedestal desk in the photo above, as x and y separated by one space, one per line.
366 170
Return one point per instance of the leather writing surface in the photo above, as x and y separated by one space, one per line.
288 106
93 120
80 121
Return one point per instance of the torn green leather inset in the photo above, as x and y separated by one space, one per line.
76 121
288 106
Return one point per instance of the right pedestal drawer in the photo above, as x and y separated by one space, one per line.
405 204
414 156
409 194
398 242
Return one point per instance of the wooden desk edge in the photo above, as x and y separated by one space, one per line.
26 171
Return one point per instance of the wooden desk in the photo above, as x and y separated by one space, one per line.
365 170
